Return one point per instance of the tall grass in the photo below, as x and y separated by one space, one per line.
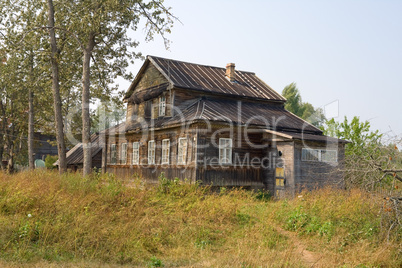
46 218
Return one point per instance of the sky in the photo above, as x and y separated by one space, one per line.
344 56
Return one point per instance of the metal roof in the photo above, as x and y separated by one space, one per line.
209 79
76 154
236 112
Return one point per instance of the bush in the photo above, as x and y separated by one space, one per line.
50 160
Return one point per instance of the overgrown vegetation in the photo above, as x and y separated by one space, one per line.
51 219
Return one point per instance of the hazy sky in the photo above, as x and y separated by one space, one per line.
348 53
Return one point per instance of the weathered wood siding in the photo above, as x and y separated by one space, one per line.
151 172
246 169
315 174
151 77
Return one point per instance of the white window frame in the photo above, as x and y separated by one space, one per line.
162 105
136 153
225 151
151 152
182 151
123 153
165 152
113 154
319 155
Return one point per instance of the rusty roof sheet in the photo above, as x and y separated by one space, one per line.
211 79
235 112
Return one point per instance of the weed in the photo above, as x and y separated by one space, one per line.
48 218
263 195
155 262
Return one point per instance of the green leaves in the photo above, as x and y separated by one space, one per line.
358 133
304 110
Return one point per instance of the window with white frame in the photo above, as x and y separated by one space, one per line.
123 153
151 152
329 155
182 151
225 151
136 153
165 151
113 158
310 154
321 155
162 105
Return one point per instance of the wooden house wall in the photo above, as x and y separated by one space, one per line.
315 174
245 169
148 109
151 77
151 172
97 160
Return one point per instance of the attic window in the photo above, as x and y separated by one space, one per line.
162 106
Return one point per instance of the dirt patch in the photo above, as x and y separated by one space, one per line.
309 258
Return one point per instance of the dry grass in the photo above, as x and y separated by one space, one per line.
66 221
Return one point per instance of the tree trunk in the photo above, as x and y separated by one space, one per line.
31 157
56 93
86 125
3 130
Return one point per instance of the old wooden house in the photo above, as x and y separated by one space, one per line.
219 126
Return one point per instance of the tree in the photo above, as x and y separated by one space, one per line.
79 33
100 28
361 137
61 147
106 115
369 163
302 109
293 99
23 34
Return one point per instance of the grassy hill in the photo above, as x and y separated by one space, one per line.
49 220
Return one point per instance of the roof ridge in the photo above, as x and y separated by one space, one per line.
203 109
193 63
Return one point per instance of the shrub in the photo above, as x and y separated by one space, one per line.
50 160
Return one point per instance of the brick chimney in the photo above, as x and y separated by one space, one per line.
230 72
